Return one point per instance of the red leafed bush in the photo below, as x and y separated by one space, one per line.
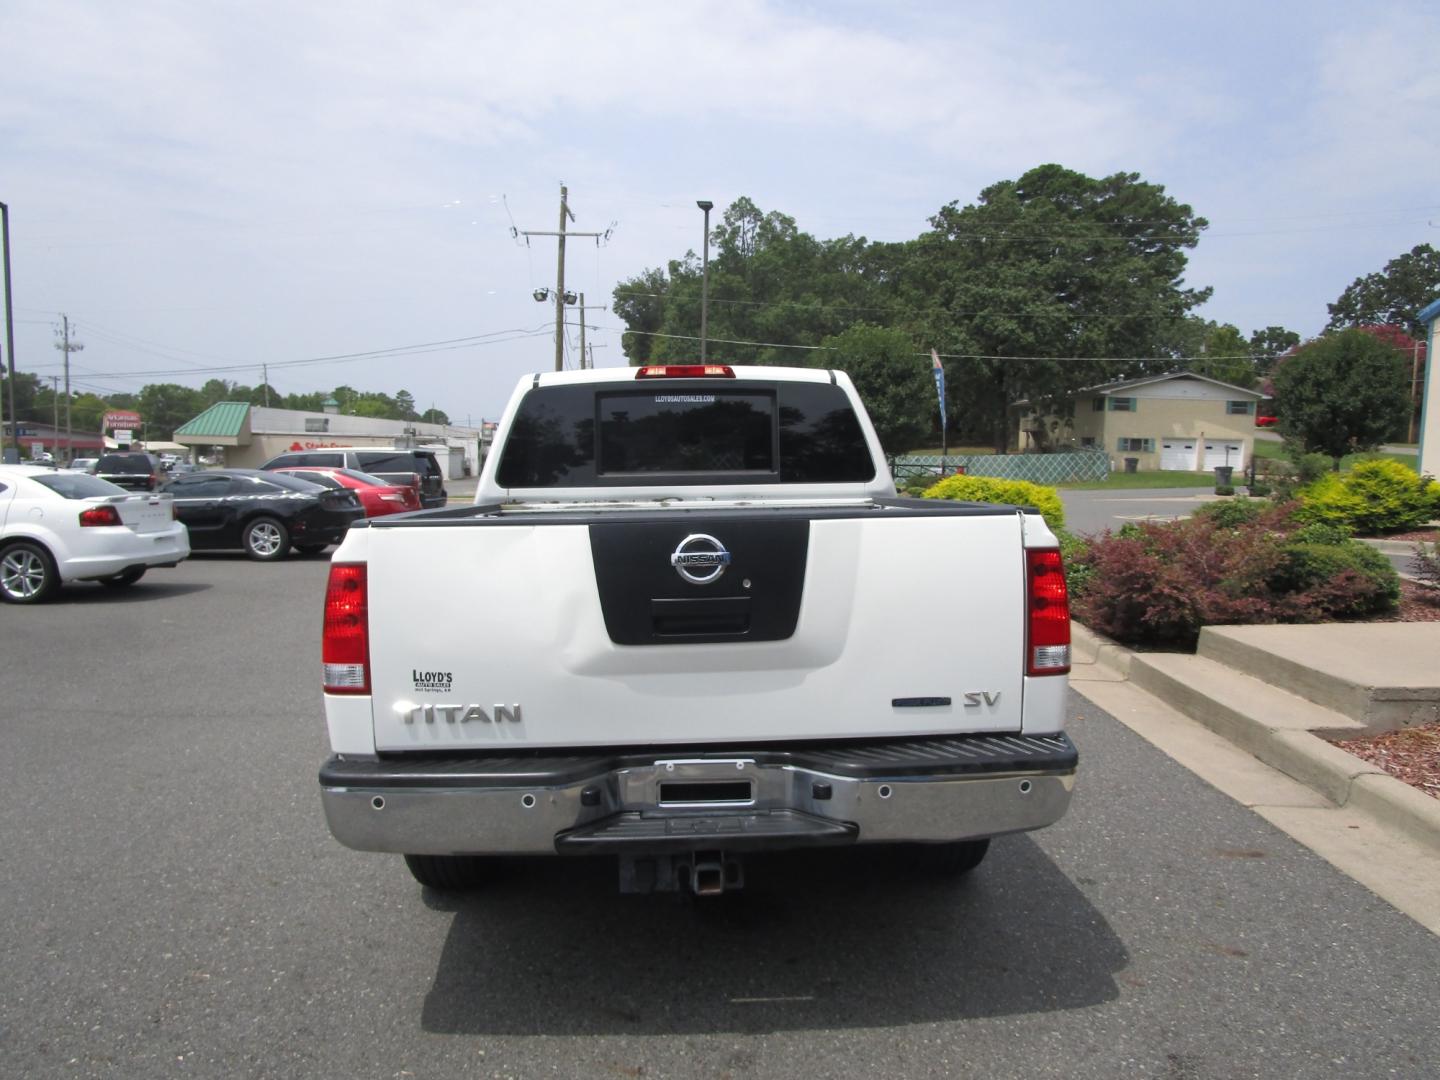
1158 583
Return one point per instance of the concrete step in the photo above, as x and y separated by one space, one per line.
1289 734
1273 725
1383 676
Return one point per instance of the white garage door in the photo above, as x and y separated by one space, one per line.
1177 455
1224 453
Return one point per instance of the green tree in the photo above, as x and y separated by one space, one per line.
640 302
165 406
1225 355
1342 393
894 381
1394 295
405 406
27 387
1269 345
1047 284
434 416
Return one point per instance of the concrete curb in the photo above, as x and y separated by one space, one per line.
1340 777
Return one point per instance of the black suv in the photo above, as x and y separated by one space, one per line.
395 465
139 472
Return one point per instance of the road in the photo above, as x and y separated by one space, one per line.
1091 511
175 907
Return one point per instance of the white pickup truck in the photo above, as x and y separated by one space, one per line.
687 618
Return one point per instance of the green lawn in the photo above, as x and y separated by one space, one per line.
1120 481
1274 451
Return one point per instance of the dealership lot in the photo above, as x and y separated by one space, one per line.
173 905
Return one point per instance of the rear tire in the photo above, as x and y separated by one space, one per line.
448 873
27 573
265 539
954 859
119 581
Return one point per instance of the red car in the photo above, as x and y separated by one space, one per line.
378 497
1266 421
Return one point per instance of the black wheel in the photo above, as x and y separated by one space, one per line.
447 873
953 859
129 577
310 549
265 539
27 573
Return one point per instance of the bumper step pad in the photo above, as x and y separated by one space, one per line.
739 830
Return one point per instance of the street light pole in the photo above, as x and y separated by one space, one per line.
9 328
705 205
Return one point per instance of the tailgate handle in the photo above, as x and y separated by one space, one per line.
708 617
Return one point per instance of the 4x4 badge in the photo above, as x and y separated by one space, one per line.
700 551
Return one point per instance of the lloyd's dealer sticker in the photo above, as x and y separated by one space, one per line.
432 682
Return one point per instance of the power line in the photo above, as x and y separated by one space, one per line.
959 356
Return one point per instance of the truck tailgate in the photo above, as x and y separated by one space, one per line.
528 632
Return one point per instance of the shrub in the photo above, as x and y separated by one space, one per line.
1224 489
1379 495
1075 555
992 489
1336 580
1159 583
1233 512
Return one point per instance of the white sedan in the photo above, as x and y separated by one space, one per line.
58 526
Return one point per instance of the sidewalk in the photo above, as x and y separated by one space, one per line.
1247 713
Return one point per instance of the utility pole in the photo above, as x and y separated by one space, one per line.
584 356
55 406
9 327
705 205
561 299
265 379
67 347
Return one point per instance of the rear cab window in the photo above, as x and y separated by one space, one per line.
398 461
692 432
125 463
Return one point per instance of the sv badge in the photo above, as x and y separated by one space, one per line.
974 698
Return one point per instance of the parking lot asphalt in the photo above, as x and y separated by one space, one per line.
174 906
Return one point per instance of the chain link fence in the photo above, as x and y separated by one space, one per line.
1048 469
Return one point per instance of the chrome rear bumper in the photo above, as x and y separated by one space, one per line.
677 800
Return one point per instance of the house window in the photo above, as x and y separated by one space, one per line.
1142 446
1239 408
1097 404
1087 440
1122 404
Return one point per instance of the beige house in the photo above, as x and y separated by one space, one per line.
1180 421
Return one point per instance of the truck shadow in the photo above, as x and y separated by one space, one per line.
817 939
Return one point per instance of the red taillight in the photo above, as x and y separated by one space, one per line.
1047 633
345 647
686 371
100 515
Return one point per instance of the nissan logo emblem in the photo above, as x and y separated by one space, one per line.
703 553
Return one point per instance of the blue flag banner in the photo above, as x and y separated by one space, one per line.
939 385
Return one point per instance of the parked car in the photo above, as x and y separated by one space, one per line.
58 526
264 514
83 464
136 471
1266 421
393 464
378 497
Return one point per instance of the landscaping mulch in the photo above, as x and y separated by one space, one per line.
1429 536
1418 603
1411 754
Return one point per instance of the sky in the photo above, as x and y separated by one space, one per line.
208 188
